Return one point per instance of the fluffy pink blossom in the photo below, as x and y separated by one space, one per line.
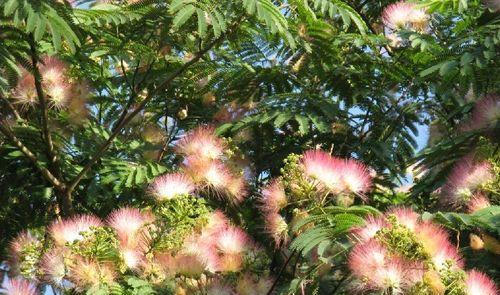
53 70
355 176
211 174
477 202
86 274
366 258
397 15
232 240
447 254
478 283
248 284
69 230
396 275
277 228
168 186
405 216
23 241
273 197
230 262
128 223
53 267
369 229
25 92
486 113
236 189
189 265
18 286
465 177
201 142
217 221
323 167
433 237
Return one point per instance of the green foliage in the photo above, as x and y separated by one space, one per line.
487 219
327 224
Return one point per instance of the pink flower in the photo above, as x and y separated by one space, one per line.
277 228
433 237
23 241
397 15
366 258
86 274
466 176
211 174
232 241
478 283
128 223
25 92
189 265
369 229
326 169
53 71
447 255
236 189
397 275
217 288
486 112
18 286
58 95
69 230
168 186
477 202
273 197
217 221
356 177
405 216
230 262
53 267
201 142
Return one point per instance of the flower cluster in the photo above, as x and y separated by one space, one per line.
88 253
58 88
209 164
485 115
402 254
405 15
335 174
464 181
315 177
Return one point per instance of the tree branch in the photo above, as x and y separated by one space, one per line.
11 108
100 152
63 199
33 158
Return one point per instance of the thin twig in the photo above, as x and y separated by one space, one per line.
100 152
33 158
282 270
11 108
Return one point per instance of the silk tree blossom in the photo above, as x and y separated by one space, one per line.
405 216
54 268
335 174
356 177
236 189
478 283
86 274
201 142
189 265
128 223
70 230
18 286
486 113
397 15
232 241
323 167
248 284
169 186
466 176
369 229
431 236
53 70
25 92
444 256
477 202
365 258
24 244
276 226
273 197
